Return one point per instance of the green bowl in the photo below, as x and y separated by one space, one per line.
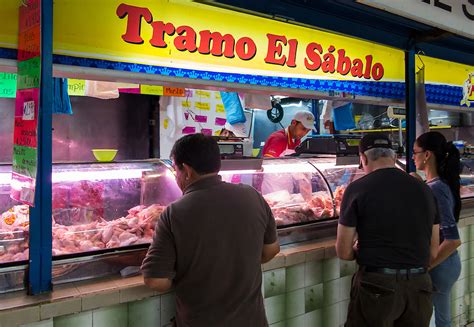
104 155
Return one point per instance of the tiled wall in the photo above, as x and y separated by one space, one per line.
314 293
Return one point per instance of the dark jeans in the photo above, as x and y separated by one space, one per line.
381 300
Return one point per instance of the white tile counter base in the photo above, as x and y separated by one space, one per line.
305 285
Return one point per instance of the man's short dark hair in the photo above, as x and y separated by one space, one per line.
198 151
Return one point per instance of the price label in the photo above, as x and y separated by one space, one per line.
27 195
29 110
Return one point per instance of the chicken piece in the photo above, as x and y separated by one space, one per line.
107 233
21 256
127 238
135 210
113 243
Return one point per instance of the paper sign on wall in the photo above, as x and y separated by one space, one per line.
151 89
76 87
7 85
25 140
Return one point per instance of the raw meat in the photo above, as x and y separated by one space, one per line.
135 228
292 209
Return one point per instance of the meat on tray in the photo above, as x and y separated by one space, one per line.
287 211
135 228
78 202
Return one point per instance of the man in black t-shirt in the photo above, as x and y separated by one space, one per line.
389 223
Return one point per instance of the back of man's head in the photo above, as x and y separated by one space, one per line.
377 148
198 151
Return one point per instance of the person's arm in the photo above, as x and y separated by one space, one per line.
271 245
158 284
270 251
447 225
434 246
345 242
158 267
446 248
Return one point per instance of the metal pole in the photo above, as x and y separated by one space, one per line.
410 103
40 262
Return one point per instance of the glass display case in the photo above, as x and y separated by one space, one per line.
467 178
98 207
294 189
299 190
104 214
338 177
95 207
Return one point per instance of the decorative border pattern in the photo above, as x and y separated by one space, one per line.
374 89
435 93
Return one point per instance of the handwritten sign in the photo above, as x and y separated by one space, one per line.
29 73
203 94
7 85
76 87
30 15
151 89
25 153
26 118
186 104
24 160
29 43
202 105
174 91
220 108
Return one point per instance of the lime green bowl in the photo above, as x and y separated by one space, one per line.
104 155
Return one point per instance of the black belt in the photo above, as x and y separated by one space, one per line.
393 271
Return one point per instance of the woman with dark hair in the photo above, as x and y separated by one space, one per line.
440 161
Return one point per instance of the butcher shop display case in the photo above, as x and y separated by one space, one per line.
104 214
467 177
97 208
304 194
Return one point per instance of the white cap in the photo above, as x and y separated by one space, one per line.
306 118
238 129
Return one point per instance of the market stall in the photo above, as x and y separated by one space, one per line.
103 211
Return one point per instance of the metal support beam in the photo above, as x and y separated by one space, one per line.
40 262
316 113
410 105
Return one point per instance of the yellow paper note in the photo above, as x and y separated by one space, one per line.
151 89
76 87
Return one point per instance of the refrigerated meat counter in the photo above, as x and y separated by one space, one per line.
104 214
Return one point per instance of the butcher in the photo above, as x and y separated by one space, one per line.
283 142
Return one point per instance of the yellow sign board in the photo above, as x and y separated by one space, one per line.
173 34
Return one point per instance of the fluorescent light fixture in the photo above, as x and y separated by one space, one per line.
5 178
75 176
237 172
288 168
